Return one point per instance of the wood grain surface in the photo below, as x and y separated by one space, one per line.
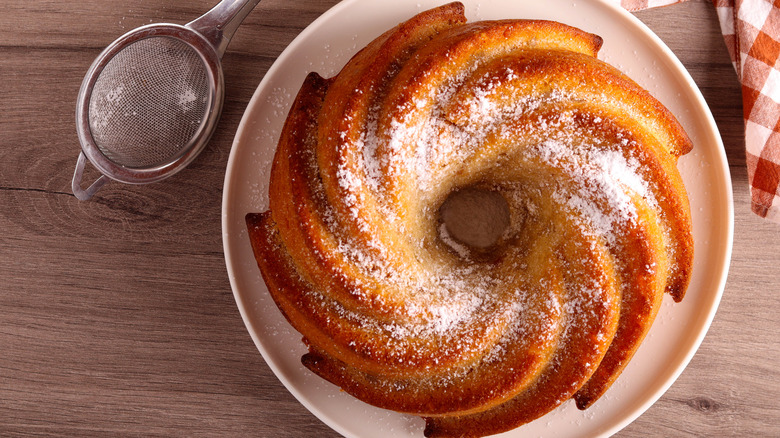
117 317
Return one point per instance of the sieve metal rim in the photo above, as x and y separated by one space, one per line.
150 174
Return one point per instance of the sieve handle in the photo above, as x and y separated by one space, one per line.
220 23
80 193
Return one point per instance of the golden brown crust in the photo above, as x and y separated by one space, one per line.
398 314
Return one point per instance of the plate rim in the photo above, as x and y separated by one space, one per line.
723 262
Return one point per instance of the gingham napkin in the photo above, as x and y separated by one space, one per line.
751 29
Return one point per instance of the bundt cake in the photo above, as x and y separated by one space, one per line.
402 313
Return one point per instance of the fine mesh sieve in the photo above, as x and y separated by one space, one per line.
151 100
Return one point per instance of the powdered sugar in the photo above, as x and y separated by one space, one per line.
421 145
459 248
602 174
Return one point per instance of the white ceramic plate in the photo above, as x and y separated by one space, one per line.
325 47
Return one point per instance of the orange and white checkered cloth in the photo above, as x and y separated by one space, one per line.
751 30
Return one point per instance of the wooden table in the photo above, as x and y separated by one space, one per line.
116 315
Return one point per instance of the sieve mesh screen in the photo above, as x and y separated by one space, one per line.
149 102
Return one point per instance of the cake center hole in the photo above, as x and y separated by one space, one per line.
474 217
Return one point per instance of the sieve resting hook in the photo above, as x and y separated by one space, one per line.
82 194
